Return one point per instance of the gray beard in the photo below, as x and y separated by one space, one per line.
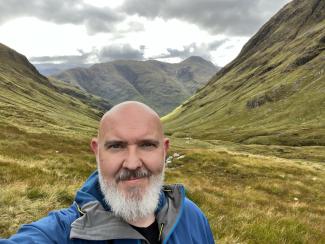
137 203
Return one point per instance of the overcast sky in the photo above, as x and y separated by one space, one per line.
87 31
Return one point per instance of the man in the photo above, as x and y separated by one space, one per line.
125 202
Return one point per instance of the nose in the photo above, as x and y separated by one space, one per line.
132 160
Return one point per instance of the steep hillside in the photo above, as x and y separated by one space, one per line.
97 104
272 93
44 141
161 85
36 111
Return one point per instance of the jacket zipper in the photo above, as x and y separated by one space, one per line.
160 231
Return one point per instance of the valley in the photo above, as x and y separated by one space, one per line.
248 144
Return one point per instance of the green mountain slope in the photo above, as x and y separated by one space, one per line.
272 93
45 127
38 112
97 104
161 85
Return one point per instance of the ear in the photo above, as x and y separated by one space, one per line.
94 145
166 145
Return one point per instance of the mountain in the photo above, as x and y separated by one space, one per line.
272 93
161 85
38 110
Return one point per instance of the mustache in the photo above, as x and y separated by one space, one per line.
126 174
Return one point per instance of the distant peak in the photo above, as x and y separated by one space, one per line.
195 59
198 60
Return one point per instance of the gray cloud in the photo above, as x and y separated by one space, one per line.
105 54
62 12
76 59
60 59
231 17
234 17
192 49
215 44
124 51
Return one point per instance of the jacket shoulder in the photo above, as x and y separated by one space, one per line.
54 228
195 223
191 209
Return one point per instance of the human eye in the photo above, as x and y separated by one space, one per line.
115 146
149 145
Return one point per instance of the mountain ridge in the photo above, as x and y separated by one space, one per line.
272 92
161 85
32 102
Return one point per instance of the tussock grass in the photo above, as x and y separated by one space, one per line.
248 196
254 199
31 187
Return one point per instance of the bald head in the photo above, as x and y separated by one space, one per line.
130 114
131 106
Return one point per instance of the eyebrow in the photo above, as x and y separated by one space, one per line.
155 142
114 142
124 143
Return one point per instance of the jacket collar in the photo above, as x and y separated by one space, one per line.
100 224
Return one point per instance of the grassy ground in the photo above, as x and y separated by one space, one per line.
252 198
247 197
36 181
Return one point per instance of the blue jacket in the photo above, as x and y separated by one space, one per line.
89 220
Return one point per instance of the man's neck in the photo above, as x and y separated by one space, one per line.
143 222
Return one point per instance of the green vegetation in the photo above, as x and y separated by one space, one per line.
248 198
30 188
251 198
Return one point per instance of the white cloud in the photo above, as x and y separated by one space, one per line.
60 28
33 37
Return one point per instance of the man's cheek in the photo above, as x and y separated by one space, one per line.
156 167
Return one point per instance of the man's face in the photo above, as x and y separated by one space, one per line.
130 150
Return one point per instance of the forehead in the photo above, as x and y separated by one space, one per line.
131 127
